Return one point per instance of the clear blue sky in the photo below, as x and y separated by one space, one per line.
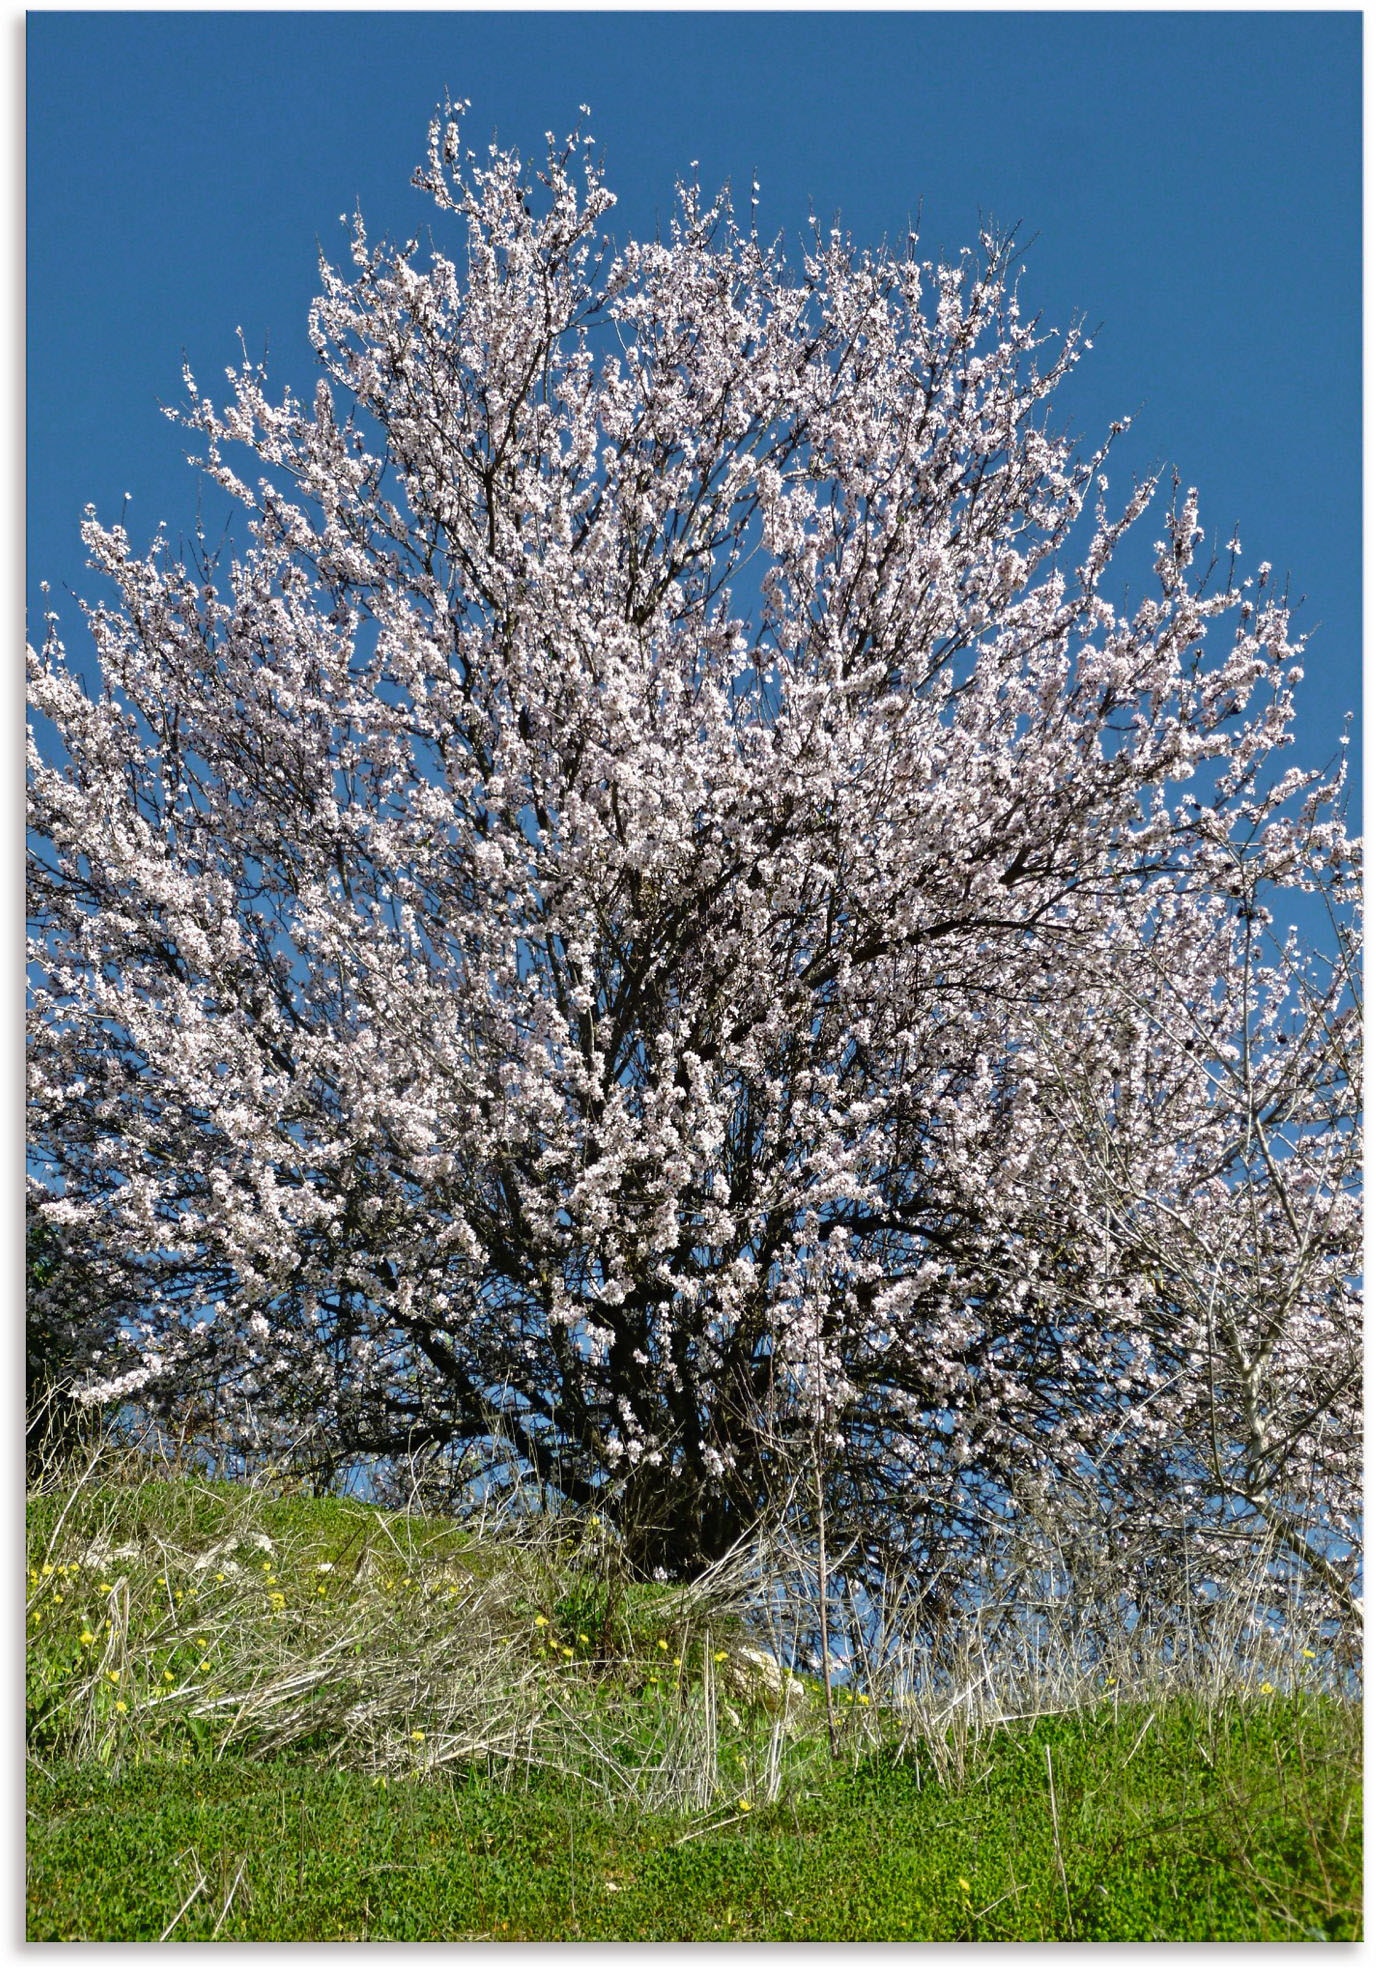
1192 182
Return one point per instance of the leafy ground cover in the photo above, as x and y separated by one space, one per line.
1170 1825
258 1718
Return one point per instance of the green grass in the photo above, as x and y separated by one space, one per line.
1242 1826
494 1736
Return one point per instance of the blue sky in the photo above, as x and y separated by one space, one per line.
1190 183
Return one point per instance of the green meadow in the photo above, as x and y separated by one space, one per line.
285 1719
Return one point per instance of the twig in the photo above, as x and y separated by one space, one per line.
1141 1734
698 1831
196 1890
224 1910
998 1902
1056 1835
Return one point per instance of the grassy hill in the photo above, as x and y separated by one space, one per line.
282 1718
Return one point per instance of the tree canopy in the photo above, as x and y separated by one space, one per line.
658 924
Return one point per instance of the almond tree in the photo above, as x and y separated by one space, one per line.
541 954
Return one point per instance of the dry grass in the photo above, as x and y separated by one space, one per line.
172 1615
168 1613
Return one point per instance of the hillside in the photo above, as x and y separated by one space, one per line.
283 1718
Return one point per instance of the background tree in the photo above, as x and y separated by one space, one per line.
1215 1133
559 951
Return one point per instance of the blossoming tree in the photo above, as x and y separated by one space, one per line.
570 946
1209 1111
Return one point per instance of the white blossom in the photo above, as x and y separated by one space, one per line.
663 905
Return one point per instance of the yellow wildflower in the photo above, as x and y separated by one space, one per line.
121 1708
743 1804
88 1639
418 1735
540 1620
